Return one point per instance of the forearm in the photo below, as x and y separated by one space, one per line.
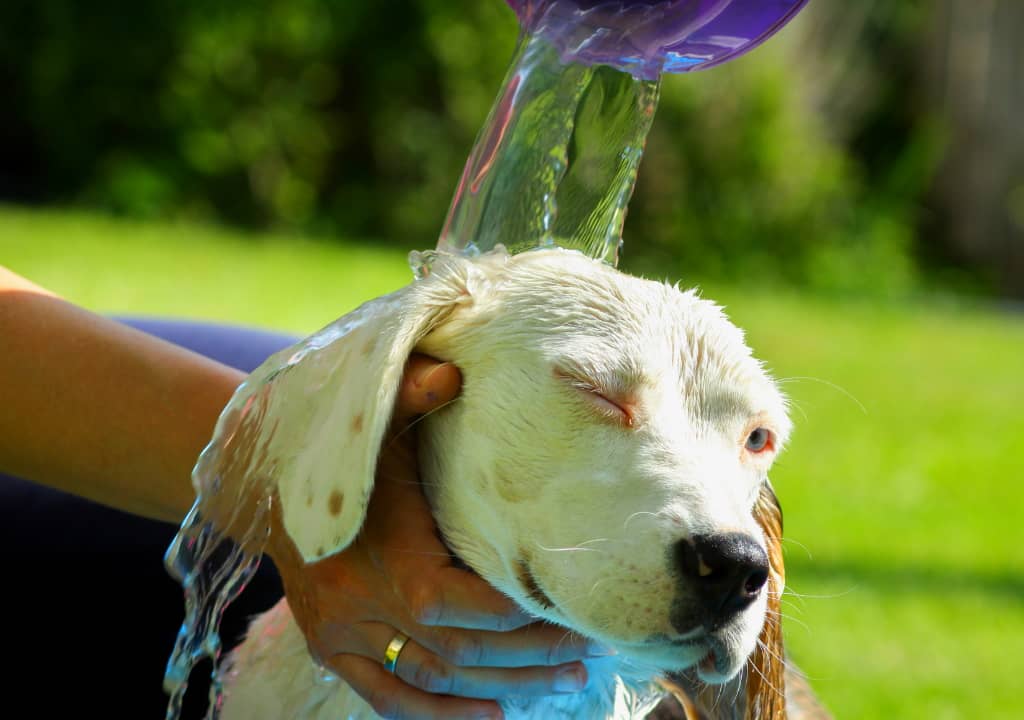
98 409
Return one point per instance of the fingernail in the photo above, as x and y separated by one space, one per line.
424 377
570 680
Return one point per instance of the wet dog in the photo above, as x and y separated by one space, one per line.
605 466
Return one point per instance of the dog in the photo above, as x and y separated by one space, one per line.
619 418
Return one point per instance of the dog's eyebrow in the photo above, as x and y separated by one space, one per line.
621 377
717 404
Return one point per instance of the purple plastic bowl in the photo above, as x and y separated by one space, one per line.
648 37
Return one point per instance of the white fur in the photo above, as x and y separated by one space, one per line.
532 467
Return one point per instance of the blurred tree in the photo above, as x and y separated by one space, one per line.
975 61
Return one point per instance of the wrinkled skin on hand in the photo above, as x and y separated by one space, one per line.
469 644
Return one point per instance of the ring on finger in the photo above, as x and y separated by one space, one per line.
393 650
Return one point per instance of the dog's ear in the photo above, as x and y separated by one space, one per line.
322 407
765 672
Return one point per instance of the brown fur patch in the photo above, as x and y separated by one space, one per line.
335 503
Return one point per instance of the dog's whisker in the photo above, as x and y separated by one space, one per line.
769 652
838 388
794 604
588 594
639 513
764 679
793 619
565 637
574 548
798 407
790 592
791 541
417 420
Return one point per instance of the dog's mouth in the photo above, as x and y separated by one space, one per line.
711 664
706 652
718 665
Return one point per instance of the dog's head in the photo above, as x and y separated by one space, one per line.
605 464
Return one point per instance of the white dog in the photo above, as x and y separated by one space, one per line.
601 413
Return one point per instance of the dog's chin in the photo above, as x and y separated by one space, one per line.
711 659
720 663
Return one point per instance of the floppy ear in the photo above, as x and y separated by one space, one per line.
321 408
766 668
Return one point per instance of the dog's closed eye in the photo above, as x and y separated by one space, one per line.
609 403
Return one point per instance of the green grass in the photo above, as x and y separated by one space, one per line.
903 486
194 271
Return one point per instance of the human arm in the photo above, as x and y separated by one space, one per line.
101 410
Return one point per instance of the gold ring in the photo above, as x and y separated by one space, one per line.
394 649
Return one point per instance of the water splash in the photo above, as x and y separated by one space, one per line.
218 548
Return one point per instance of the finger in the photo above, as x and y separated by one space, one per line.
405 545
456 598
391 697
427 671
427 384
538 644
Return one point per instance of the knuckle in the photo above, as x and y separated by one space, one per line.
463 649
434 676
502 623
425 603
385 705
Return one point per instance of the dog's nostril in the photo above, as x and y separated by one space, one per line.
725 571
755 581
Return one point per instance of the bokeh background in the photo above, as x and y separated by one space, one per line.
853 191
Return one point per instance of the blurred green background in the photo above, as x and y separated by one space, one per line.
853 192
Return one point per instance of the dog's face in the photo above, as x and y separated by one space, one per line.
603 462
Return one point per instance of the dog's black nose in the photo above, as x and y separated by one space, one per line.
725 571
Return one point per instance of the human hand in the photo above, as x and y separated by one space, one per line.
468 645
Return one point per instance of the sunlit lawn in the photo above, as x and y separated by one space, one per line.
903 486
